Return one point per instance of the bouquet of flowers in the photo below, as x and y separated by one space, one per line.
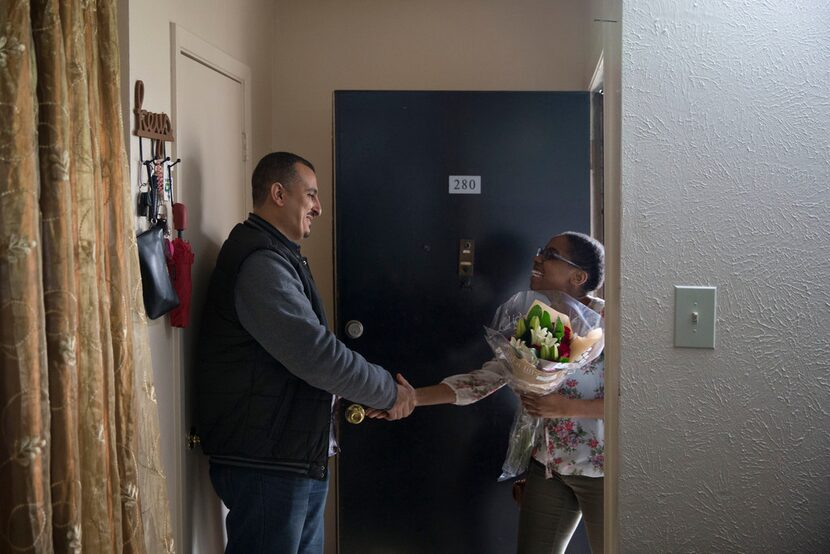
541 338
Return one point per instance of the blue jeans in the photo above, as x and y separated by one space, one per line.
270 511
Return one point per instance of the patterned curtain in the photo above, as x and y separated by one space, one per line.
79 457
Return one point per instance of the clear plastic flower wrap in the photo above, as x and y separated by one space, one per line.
540 338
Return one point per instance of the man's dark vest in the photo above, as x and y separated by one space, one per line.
251 410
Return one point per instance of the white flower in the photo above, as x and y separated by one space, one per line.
523 350
542 337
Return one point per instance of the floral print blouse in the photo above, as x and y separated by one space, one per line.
567 446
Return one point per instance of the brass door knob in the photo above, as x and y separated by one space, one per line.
355 414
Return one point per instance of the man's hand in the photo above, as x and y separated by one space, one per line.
404 404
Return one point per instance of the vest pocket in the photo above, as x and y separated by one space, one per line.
283 411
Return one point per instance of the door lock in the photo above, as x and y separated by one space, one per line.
354 329
466 255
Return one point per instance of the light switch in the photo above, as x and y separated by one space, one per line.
694 316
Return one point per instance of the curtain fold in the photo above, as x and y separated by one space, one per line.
79 457
25 505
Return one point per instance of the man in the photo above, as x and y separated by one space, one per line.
267 369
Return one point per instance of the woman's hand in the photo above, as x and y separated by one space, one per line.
557 405
424 396
550 405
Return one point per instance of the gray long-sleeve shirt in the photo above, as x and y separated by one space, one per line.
273 308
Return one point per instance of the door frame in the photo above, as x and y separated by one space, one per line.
185 43
597 154
608 72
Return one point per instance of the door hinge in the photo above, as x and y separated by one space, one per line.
193 439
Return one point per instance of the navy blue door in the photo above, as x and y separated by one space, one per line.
429 483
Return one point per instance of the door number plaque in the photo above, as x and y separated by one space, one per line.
465 184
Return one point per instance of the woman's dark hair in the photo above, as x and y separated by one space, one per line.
275 167
589 254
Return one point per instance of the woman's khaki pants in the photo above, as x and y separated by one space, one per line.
551 509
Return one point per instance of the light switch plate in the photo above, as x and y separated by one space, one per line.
694 316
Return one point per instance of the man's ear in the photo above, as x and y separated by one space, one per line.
277 193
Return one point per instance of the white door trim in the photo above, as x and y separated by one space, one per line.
189 45
599 74
597 194
611 63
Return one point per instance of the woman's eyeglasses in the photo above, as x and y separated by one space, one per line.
548 254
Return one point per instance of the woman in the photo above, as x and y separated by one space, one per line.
568 481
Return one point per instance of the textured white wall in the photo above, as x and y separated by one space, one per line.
726 115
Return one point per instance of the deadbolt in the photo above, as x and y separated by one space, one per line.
466 257
354 329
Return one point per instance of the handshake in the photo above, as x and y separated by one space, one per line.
404 403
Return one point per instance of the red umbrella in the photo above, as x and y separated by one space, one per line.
179 266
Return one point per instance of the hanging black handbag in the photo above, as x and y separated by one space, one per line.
159 295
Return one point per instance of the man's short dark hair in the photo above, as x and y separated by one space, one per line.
275 167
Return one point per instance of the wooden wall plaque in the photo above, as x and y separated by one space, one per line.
149 124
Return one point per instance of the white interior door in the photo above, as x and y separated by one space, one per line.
212 118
